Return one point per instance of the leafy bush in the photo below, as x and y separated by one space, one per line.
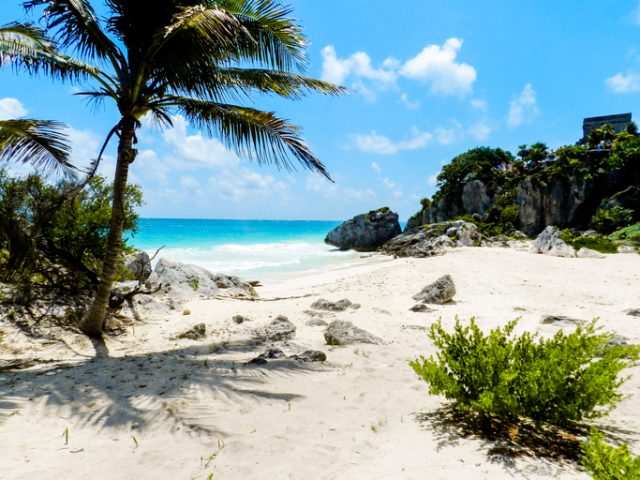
612 219
629 235
556 381
605 462
596 242
43 229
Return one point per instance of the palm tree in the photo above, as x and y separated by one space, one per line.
195 57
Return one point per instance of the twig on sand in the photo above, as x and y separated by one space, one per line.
274 299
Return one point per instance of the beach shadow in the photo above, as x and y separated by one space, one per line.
141 390
505 441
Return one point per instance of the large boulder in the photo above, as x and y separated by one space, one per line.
627 198
430 240
439 292
365 232
184 280
138 265
346 333
550 243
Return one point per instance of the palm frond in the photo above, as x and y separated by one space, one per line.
252 133
26 47
76 26
281 83
39 142
277 39
21 251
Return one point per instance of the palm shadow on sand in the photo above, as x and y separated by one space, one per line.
140 390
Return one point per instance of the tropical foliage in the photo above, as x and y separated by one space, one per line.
606 462
158 57
558 381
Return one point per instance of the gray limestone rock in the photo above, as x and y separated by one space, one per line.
279 330
439 292
550 243
339 306
316 322
340 332
634 312
183 281
475 198
560 320
138 265
365 232
421 308
588 253
309 356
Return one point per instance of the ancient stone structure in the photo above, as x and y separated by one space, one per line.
619 122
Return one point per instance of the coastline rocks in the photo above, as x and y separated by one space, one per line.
550 243
340 332
339 306
365 232
279 330
138 265
475 199
430 240
187 281
439 292
585 252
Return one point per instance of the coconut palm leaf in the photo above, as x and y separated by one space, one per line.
252 133
39 142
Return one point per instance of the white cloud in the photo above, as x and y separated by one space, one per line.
189 182
332 191
478 104
437 67
392 187
480 131
359 65
239 184
620 83
11 108
635 15
448 136
407 102
381 145
523 108
375 167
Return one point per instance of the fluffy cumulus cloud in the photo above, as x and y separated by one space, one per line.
432 181
523 108
478 104
375 167
450 135
436 66
480 131
382 145
334 191
621 83
11 108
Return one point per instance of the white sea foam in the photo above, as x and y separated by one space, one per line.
260 258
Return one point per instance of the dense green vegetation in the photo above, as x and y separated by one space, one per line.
501 173
557 381
53 235
606 462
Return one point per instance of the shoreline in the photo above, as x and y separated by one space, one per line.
196 407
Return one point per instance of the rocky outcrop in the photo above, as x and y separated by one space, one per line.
183 281
627 198
346 333
365 232
550 243
197 332
475 198
439 292
433 239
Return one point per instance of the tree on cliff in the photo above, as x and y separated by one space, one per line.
195 57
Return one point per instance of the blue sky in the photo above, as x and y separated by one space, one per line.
429 80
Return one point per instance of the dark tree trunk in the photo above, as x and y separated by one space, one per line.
93 322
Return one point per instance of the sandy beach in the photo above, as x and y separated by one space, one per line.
149 405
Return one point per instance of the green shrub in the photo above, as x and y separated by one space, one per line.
556 381
605 462
612 219
629 235
596 242
510 214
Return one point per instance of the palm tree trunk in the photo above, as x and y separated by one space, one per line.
93 322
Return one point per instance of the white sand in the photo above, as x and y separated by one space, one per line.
195 408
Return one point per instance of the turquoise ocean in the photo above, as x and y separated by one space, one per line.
252 249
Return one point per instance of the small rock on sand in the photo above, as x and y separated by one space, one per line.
346 333
339 306
560 320
421 307
197 332
317 322
279 330
309 356
634 312
439 292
